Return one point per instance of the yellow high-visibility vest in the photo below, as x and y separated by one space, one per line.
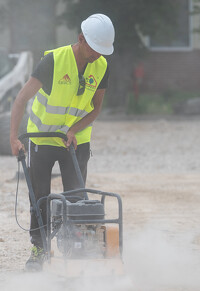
63 108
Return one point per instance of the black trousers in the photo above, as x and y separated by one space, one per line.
42 160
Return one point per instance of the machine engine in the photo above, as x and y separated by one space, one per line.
80 239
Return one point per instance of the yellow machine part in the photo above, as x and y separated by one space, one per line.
112 240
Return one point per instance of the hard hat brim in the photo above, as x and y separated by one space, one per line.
100 49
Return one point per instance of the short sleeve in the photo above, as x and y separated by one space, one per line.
44 72
104 82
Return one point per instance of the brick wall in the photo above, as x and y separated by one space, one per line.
178 71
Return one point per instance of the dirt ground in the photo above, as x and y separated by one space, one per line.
153 163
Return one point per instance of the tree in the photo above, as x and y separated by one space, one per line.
131 18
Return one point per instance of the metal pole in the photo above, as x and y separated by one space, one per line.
21 158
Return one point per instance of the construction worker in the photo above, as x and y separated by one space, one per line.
69 84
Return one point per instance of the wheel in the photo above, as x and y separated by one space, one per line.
5 148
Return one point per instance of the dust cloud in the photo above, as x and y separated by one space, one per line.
150 262
155 263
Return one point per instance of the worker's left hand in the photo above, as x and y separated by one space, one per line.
70 139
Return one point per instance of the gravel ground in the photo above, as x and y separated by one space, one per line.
153 163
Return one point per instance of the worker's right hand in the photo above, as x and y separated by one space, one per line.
70 139
16 146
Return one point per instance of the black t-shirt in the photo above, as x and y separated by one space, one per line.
44 73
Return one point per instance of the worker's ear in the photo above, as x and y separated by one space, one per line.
81 38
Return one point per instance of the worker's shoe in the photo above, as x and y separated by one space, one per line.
36 260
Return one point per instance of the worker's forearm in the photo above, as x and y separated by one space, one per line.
80 125
85 121
16 117
26 93
90 117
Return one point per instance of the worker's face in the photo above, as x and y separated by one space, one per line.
87 52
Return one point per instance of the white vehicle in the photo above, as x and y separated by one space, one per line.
15 70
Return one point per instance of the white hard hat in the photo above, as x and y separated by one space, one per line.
99 33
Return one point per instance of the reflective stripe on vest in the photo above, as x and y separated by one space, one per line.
51 128
45 127
59 109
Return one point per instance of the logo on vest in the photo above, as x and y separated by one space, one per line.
91 83
65 80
